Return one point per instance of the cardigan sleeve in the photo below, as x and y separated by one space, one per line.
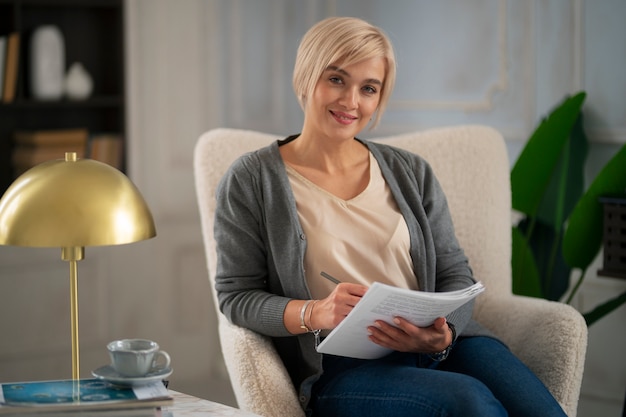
242 267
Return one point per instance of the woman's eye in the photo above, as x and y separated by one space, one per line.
369 89
335 80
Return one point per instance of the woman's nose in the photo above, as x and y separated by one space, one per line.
349 98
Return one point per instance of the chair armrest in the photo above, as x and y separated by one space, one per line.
549 337
258 376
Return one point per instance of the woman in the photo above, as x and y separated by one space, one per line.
324 200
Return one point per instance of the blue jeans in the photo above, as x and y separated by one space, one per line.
480 378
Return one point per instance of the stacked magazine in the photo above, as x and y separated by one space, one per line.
84 397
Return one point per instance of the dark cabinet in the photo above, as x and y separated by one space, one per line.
93 34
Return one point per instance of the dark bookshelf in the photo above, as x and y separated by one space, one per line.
93 32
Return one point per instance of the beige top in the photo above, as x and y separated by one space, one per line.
361 240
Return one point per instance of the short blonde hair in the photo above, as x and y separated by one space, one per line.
344 41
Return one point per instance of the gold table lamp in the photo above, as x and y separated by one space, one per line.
71 204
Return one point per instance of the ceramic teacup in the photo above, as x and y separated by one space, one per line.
137 357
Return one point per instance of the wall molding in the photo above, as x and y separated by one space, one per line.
487 102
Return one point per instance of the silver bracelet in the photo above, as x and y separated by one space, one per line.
303 326
309 327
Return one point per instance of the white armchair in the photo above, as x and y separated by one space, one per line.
471 163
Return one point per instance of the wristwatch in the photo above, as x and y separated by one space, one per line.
441 356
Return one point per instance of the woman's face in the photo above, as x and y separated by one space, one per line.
345 98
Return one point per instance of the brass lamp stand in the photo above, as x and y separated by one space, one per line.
72 255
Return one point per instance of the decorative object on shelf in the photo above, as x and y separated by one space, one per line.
78 82
71 204
47 63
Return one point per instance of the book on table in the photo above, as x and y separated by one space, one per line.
85 396
384 302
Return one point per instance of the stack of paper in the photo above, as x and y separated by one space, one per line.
384 302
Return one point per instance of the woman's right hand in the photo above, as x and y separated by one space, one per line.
330 311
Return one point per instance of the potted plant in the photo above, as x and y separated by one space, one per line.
561 224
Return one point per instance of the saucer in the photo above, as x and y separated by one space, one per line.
109 374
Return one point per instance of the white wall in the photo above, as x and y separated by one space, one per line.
199 64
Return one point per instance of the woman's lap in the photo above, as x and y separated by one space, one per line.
480 378
508 378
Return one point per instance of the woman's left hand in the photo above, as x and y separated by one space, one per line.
403 336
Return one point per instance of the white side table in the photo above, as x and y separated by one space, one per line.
189 406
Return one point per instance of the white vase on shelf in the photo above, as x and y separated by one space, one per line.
47 63
78 82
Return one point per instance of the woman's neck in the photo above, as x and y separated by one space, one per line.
324 154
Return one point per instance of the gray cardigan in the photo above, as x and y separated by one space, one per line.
261 246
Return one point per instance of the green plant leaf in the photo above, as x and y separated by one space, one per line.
525 276
604 309
583 236
534 167
567 182
545 245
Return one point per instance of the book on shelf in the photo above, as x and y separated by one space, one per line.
27 157
11 67
84 397
32 147
3 51
51 137
384 302
107 148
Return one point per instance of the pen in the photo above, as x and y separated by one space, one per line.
330 277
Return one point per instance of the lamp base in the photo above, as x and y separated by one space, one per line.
73 255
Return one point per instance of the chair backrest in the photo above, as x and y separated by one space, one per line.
472 166
260 381
215 151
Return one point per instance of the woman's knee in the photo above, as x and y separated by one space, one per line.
414 392
469 397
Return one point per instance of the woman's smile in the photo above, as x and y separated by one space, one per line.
343 118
